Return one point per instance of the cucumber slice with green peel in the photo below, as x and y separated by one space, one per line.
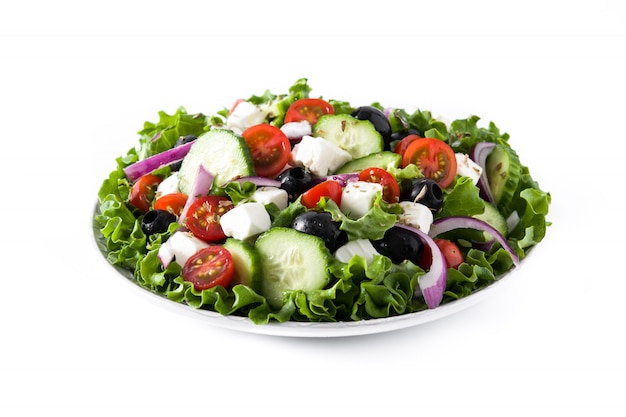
291 260
494 218
247 263
384 160
503 173
222 153
358 137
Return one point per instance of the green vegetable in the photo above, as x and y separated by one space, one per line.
247 263
358 137
503 172
385 160
222 153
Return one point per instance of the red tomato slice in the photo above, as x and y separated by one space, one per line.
142 192
174 203
270 149
451 253
309 109
329 189
404 143
434 158
203 217
391 189
209 267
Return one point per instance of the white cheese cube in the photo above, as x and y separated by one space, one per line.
319 156
168 186
245 221
245 115
296 130
467 168
416 215
358 197
180 247
267 195
361 247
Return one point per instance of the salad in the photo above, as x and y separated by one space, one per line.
293 207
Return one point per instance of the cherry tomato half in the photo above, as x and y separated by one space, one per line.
329 189
142 192
391 189
404 143
434 158
270 149
203 217
309 109
209 267
451 252
174 203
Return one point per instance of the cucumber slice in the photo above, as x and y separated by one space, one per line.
494 218
222 153
358 137
384 160
247 263
291 260
503 173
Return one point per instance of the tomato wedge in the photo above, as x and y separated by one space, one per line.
203 217
434 158
309 109
209 267
391 189
270 149
142 192
174 203
404 143
329 189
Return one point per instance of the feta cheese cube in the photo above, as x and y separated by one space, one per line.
245 221
416 215
244 116
168 186
467 168
180 247
361 247
358 197
296 130
267 195
319 156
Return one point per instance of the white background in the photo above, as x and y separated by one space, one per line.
79 78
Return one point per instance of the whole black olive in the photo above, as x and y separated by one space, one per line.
183 140
378 119
321 224
399 244
157 221
295 181
424 191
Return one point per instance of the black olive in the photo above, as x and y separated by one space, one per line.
321 224
183 140
157 221
400 244
295 181
424 191
396 136
378 119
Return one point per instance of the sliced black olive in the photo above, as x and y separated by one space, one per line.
399 244
378 119
295 181
157 221
424 191
321 224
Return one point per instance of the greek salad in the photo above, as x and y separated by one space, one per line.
294 207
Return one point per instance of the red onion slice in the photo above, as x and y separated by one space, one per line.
445 224
259 181
479 155
433 283
201 186
342 179
145 166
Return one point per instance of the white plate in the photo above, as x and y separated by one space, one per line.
309 329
